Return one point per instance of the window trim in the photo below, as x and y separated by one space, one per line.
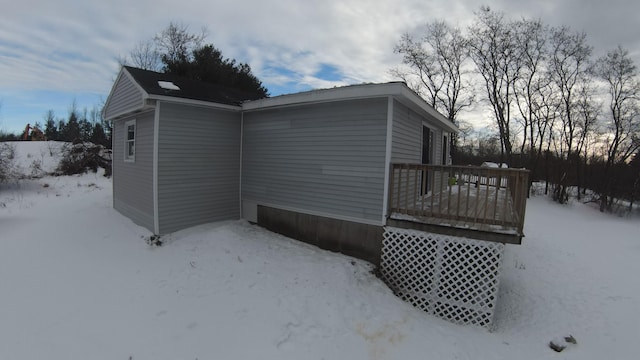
433 131
446 150
432 139
127 141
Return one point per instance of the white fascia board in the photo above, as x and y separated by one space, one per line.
397 90
113 88
326 95
143 108
202 103
419 104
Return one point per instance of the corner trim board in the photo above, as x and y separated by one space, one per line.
156 135
240 177
387 159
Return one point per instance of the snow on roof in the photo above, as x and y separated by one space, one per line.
168 85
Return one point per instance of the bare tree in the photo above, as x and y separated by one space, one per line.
588 110
529 88
535 99
550 109
421 76
176 43
173 44
435 63
620 75
569 68
498 60
540 85
145 56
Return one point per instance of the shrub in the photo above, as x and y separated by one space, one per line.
7 161
80 157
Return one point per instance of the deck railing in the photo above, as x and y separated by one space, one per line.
462 196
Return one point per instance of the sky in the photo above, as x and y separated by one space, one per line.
55 53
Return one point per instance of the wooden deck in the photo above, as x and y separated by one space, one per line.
485 203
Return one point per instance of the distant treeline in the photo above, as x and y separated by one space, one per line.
624 177
80 126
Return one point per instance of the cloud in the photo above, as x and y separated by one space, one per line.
72 46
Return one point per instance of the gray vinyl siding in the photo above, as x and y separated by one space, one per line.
406 145
407 135
198 166
322 158
133 181
125 97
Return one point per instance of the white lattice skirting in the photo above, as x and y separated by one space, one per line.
451 277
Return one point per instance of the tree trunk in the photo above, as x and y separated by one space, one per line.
578 176
546 175
605 188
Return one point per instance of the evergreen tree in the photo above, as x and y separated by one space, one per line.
98 135
71 130
51 130
86 129
184 54
50 126
208 65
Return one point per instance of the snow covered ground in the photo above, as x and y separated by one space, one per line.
78 281
35 158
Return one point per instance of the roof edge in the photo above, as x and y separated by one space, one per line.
397 90
419 102
325 95
188 101
123 72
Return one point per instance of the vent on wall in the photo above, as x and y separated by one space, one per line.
168 85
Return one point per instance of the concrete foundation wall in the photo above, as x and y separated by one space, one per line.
351 238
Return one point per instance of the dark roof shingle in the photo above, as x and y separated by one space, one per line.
189 89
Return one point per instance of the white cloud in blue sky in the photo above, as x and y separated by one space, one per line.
52 52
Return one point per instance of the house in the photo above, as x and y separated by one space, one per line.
341 168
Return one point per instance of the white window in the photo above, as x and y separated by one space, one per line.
130 141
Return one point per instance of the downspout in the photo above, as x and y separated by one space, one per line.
113 130
387 160
156 135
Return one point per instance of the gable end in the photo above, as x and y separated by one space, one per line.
126 96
